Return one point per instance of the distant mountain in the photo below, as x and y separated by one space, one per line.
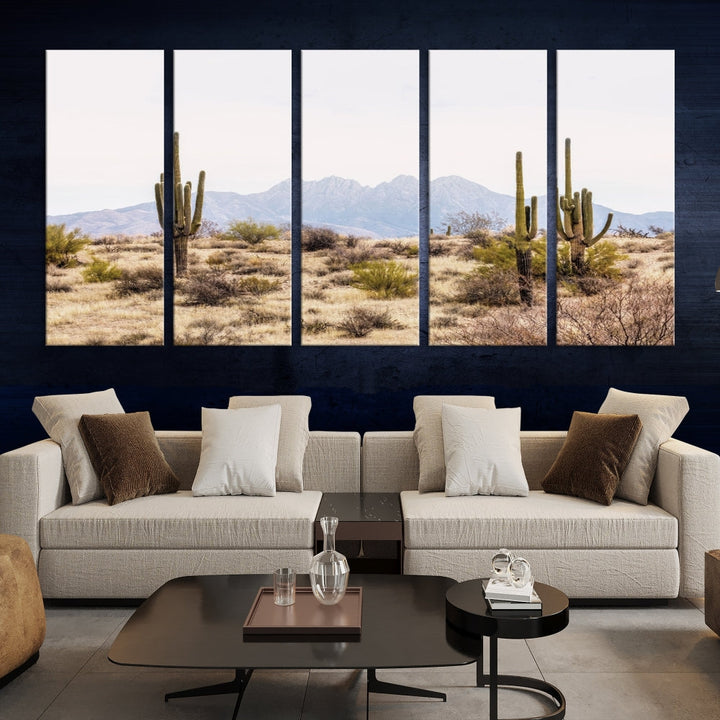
386 210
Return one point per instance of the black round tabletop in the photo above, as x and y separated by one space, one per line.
468 613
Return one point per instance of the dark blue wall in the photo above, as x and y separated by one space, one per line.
361 388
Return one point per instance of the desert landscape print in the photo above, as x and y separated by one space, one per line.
360 246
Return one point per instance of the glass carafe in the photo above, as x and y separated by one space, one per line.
329 570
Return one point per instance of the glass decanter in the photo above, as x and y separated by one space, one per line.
329 570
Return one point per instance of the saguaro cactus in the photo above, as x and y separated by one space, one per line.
575 219
185 221
525 231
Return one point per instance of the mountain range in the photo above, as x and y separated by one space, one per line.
389 209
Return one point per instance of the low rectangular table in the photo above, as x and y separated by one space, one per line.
370 518
197 622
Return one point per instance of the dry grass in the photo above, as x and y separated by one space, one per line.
80 313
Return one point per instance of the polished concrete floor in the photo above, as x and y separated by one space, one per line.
660 662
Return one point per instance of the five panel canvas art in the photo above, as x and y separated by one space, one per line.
365 234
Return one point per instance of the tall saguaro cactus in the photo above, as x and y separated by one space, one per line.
185 221
525 231
575 218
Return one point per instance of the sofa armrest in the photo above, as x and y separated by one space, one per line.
687 485
332 461
32 484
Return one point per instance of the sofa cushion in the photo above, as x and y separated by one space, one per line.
181 521
294 435
59 415
595 453
482 451
126 456
429 438
239 451
537 521
660 416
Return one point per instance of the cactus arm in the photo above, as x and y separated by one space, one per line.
199 198
606 227
532 211
187 208
178 210
176 158
160 200
587 213
568 170
560 228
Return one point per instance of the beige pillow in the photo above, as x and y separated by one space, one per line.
294 435
126 456
595 452
429 437
482 451
239 451
60 415
660 416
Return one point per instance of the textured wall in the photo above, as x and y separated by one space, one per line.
361 388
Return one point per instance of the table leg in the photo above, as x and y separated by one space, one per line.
493 680
379 686
237 685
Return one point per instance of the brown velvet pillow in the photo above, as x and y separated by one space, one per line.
593 457
126 456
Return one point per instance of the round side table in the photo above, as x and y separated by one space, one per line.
469 620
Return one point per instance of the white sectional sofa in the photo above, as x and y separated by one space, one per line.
622 550
127 550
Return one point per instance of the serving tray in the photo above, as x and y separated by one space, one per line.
306 617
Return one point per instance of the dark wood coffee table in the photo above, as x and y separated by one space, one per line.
197 622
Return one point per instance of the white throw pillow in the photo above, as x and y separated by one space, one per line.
482 451
660 416
239 451
294 435
428 434
60 416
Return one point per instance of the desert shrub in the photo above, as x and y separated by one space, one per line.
463 222
314 294
218 258
255 265
256 286
204 331
384 279
360 321
500 254
488 286
341 258
318 238
209 288
504 326
142 280
439 247
251 232
99 271
316 326
62 246
58 285
639 312
600 260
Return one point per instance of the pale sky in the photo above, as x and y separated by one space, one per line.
233 113
104 128
360 121
618 109
485 105
360 114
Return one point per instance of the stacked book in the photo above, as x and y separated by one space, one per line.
500 595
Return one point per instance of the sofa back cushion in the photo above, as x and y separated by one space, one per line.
331 463
390 459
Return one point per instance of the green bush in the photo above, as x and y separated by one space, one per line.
501 255
384 279
62 246
99 271
251 232
600 260
318 238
